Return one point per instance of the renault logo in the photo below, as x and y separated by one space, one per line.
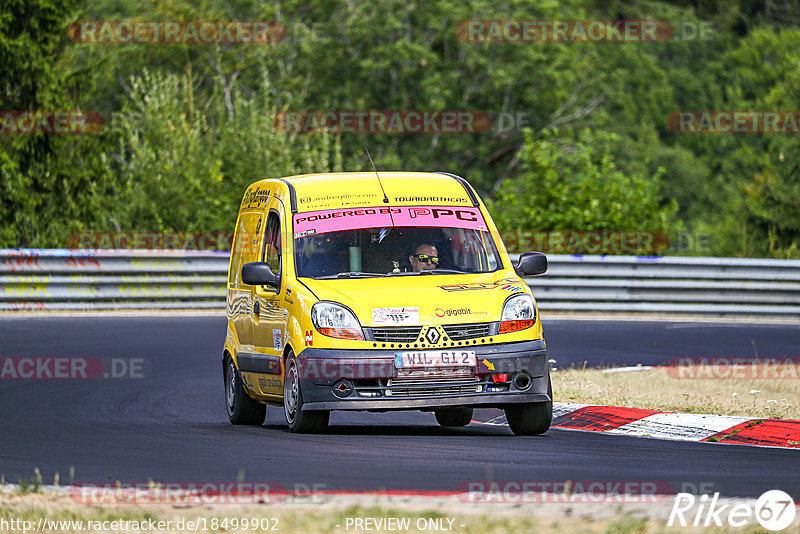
432 335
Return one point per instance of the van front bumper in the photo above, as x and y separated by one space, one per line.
368 380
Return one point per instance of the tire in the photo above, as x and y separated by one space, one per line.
300 421
454 416
242 409
531 419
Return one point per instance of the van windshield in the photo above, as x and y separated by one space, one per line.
417 240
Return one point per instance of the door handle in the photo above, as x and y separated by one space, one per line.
257 308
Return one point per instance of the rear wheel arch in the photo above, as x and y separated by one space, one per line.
226 355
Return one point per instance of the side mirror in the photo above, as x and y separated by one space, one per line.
531 263
258 273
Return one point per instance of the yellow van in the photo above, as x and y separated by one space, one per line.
379 291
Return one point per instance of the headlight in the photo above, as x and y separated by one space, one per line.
519 313
334 320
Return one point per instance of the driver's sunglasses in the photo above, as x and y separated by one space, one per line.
424 258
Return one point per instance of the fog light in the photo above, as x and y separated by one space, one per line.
343 388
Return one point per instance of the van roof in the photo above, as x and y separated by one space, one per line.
358 189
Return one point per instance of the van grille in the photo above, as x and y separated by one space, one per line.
423 387
396 334
458 332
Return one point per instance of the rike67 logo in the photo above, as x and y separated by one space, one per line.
774 510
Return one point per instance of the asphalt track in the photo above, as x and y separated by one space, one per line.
171 425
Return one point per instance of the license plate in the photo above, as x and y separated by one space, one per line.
429 359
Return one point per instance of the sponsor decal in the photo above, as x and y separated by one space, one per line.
395 316
462 200
298 235
401 216
270 384
339 200
455 312
509 287
309 338
277 339
255 197
507 284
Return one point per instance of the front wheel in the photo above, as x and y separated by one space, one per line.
454 416
531 419
304 422
242 409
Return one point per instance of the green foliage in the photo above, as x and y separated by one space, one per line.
50 185
573 185
186 157
192 123
760 211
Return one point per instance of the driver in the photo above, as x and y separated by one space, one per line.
425 258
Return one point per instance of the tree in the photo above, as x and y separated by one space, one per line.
186 156
50 184
570 185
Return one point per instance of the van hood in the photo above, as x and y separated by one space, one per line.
421 299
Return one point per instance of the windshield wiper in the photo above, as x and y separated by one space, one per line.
351 274
428 271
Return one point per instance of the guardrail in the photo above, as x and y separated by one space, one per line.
43 279
717 286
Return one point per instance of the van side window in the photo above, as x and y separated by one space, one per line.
245 247
272 243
